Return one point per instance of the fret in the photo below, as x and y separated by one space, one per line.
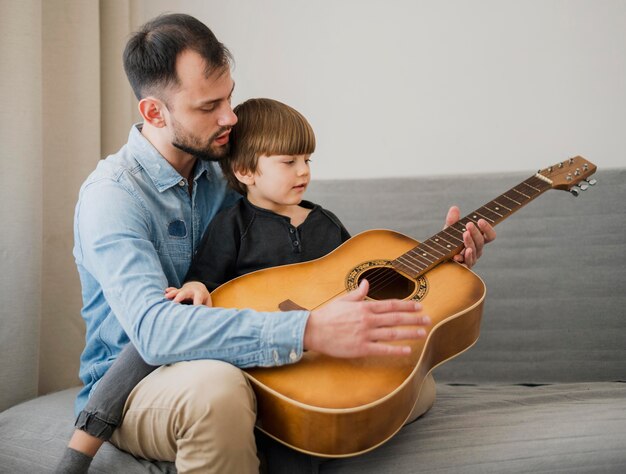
477 215
448 247
435 241
525 190
405 263
525 183
425 243
487 214
453 227
412 255
460 224
520 193
539 183
420 252
405 268
495 210
516 196
445 231
500 206
515 203
465 221
451 239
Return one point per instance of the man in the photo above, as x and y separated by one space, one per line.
139 218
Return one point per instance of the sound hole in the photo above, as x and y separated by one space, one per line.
387 283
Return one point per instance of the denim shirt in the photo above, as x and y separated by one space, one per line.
136 228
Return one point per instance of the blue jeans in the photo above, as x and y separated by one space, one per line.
104 409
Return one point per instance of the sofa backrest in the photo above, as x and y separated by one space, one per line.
555 276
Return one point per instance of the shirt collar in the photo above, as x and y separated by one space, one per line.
160 171
267 212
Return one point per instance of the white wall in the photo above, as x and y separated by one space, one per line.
406 87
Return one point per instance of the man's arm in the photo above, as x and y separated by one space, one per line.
113 233
117 251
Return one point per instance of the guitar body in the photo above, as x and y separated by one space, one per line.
334 407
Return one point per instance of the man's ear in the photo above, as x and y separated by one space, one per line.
244 177
152 110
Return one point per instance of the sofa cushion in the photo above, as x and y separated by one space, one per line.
471 429
572 428
33 436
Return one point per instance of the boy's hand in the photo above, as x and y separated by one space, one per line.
192 291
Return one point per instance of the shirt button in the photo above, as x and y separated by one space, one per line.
181 183
296 243
291 231
293 356
276 358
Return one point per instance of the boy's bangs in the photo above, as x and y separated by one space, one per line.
288 134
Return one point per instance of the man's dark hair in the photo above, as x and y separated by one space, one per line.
150 54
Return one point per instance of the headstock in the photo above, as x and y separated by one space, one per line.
570 175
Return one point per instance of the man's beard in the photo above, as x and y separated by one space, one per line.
203 151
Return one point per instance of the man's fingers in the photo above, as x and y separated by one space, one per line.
454 213
488 231
388 306
398 319
378 348
359 294
396 334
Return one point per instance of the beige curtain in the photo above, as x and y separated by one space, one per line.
65 104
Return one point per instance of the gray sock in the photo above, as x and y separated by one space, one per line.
73 462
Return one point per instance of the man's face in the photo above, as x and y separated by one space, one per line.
200 113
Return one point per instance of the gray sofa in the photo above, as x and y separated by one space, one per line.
543 390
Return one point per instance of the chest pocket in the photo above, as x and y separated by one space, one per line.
175 244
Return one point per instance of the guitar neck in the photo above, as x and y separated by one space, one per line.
446 244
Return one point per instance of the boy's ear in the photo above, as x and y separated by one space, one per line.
151 110
244 177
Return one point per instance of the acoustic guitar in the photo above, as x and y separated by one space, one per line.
333 407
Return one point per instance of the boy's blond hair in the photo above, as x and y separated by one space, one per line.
265 127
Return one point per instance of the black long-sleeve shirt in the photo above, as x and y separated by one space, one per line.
245 238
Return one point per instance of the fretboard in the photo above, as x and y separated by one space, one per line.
447 243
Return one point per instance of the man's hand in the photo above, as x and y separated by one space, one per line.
352 327
192 291
474 238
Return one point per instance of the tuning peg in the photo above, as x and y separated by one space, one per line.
575 191
584 185
592 182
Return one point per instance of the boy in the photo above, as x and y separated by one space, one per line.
271 225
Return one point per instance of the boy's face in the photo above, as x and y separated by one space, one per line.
279 181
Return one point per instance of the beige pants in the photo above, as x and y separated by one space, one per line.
201 415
